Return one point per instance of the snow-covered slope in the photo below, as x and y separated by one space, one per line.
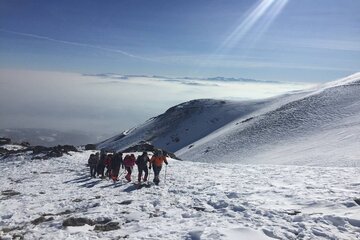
183 124
320 126
197 201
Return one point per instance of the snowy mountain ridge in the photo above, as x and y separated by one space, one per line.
349 80
323 124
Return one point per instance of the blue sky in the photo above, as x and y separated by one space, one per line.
285 40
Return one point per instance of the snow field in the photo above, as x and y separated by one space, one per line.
198 201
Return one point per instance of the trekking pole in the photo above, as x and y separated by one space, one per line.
121 173
165 174
149 175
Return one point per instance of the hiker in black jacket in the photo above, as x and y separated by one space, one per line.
141 162
100 167
116 163
93 159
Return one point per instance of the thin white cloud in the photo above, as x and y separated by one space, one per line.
343 45
316 43
230 61
78 44
64 101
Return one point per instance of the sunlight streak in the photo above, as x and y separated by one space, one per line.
269 17
257 21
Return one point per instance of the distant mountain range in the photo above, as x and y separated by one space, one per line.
164 78
47 137
320 126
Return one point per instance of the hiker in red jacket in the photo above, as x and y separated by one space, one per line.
129 162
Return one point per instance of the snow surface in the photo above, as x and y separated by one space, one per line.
183 124
197 201
12 147
321 129
319 126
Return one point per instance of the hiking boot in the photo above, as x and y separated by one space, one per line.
156 180
128 178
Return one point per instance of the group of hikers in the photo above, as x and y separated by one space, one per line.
113 162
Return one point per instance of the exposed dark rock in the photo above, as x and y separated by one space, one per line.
199 209
77 200
66 148
357 200
126 202
10 229
141 147
64 212
103 220
145 146
293 213
41 220
25 144
40 149
4 141
51 152
7 153
76 222
90 147
107 227
246 120
94 205
3 151
57 214
17 236
9 193
152 215
208 149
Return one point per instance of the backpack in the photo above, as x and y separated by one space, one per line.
128 162
142 160
107 161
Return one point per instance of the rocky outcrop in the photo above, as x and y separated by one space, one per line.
147 147
38 152
4 141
